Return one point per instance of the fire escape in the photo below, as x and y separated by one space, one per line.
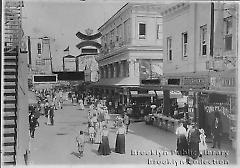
12 41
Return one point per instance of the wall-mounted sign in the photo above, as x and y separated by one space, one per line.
173 81
223 108
195 81
229 82
133 92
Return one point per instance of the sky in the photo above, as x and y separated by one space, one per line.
61 20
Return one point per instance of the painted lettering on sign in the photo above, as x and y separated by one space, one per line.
224 109
223 82
194 81
228 82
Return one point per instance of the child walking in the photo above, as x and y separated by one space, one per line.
80 143
91 132
202 143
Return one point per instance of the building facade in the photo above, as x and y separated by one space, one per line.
131 50
200 60
40 58
86 62
69 63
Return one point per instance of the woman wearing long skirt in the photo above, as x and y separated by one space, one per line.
194 139
81 104
104 148
120 140
98 130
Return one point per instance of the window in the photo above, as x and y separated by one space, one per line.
126 27
111 71
106 71
169 48
159 31
184 44
112 35
117 69
228 33
118 33
39 48
108 37
142 30
125 69
101 72
40 62
203 43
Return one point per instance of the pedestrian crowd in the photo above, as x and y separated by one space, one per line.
191 140
47 101
98 129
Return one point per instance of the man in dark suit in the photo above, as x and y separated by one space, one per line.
217 130
193 141
52 114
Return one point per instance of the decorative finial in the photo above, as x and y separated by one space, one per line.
89 31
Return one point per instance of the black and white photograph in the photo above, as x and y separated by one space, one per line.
103 83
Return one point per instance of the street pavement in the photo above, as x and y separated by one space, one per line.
145 144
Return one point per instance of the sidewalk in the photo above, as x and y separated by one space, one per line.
145 144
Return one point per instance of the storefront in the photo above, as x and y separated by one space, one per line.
222 98
190 86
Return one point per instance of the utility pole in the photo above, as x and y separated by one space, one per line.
212 29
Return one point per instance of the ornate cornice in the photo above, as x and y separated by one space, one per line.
150 8
174 8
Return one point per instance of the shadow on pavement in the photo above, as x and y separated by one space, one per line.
76 154
61 134
167 139
95 151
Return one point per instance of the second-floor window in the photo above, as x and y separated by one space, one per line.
159 31
169 48
106 71
39 48
203 39
142 30
184 44
228 33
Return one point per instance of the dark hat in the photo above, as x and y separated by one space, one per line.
193 124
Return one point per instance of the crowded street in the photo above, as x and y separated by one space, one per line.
114 82
56 144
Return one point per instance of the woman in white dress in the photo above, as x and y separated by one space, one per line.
81 104
48 117
98 130
202 143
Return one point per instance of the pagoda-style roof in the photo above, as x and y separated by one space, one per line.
89 43
69 56
88 37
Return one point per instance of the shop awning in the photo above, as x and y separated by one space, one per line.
175 94
159 94
136 94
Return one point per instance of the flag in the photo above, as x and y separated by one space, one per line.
67 49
